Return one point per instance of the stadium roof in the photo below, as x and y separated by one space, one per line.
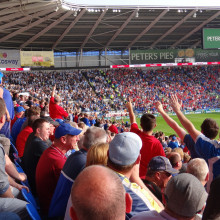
50 24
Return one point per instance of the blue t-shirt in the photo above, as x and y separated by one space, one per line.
210 151
9 104
191 146
16 128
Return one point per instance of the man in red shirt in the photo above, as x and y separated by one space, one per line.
151 146
56 111
52 161
33 113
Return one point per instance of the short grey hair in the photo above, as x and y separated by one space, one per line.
198 168
94 135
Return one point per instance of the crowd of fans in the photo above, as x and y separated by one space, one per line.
80 166
103 91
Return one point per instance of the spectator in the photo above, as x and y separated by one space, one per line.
173 143
75 163
97 155
56 111
199 168
19 112
208 149
5 94
212 211
33 114
113 128
175 160
186 197
151 146
7 202
35 145
124 158
52 161
159 172
107 201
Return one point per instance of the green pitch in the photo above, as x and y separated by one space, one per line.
196 119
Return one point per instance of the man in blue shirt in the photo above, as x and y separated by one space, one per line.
206 148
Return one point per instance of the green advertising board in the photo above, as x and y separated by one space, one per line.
211 38
169 55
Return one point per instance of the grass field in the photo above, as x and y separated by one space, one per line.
196 119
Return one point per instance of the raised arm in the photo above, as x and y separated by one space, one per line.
53 91
130 111
180 131
187 124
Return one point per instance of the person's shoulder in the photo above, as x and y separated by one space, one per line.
154 215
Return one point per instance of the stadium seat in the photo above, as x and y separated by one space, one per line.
15 152
30 198
32 211
18 166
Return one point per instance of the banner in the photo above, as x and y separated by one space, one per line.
37 58
9 58
169 55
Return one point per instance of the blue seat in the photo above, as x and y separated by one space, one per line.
15 152
30 198
32 211
18 166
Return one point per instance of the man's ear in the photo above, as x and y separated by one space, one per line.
37 130
138 159
63 139
128 201
207 177
73 215
155 125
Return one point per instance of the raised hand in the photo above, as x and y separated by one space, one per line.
159 106
128 104
175 104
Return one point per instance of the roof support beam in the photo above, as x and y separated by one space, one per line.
93 29
23 8
17 3
66 15
15 33
24 13
173 28
147 28
26 18
69 28
196 29
121 28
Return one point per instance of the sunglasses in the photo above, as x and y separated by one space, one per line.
166 173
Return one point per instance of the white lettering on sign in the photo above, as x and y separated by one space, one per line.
213 38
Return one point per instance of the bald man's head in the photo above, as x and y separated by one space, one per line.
98 193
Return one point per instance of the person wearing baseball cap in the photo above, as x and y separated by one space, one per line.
159 172
186 197
52 161
124 158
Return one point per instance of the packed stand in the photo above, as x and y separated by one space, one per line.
80 166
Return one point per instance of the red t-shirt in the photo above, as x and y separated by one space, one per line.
21 140
151 147
56 111
47 174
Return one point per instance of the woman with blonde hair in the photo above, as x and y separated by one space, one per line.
97 154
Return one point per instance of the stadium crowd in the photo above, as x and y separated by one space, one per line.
76 165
